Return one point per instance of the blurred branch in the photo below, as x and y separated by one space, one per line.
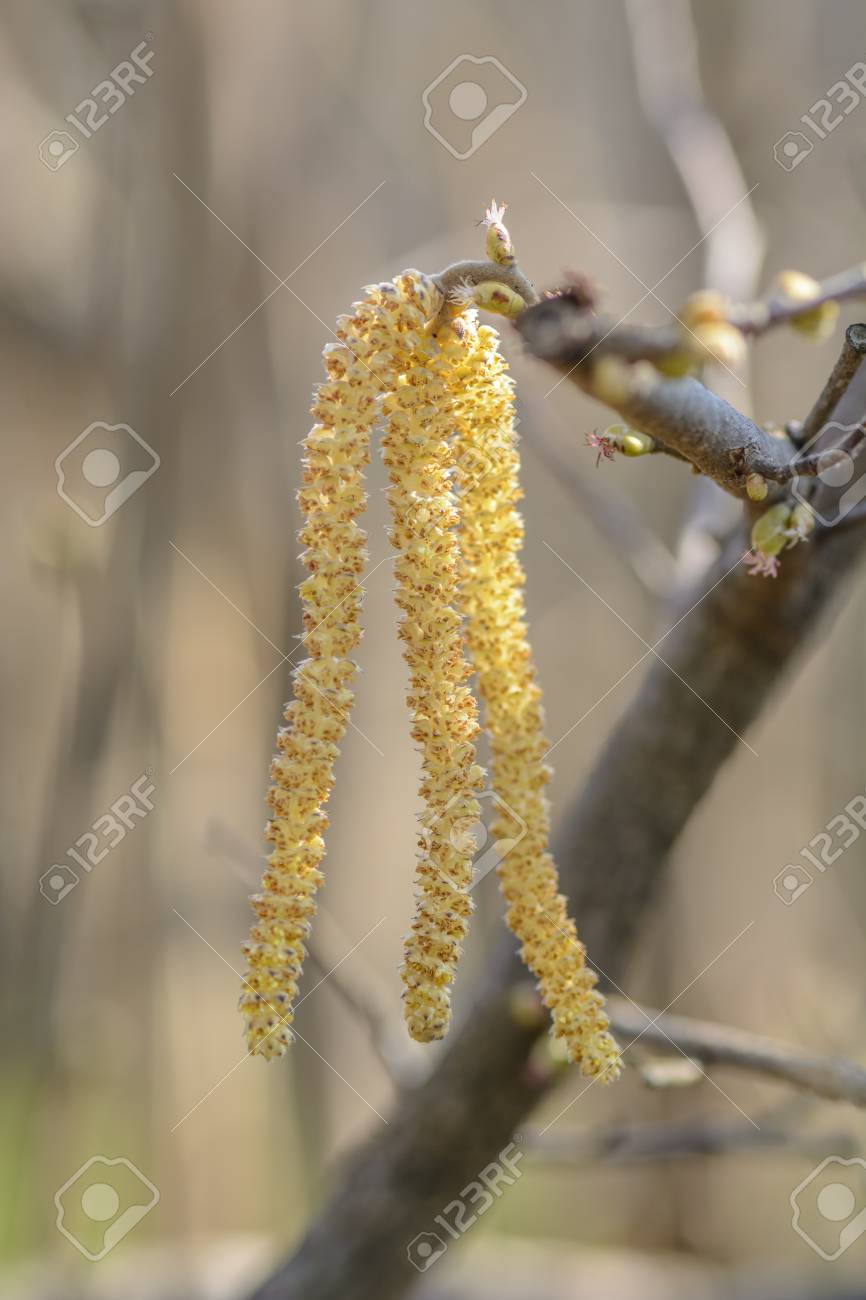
678 1140
665 53
776 309
715 1044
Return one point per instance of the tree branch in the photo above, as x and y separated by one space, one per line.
853 352
629 1144
776 309
714 1044
681 413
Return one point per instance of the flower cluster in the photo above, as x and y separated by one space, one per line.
416 450
416 357
491 535
332 497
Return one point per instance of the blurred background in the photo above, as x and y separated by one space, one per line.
193 191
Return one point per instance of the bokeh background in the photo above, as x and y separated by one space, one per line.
140 285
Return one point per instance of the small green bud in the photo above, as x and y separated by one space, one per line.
770 532
635 444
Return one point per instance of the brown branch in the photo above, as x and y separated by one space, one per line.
684 415
714 1044
853 352
481 272
776 309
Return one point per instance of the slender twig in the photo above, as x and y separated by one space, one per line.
834 1079
665 51
776 309
714 436
853 352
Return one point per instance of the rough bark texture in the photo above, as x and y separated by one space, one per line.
655 768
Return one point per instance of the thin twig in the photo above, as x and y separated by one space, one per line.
834 1079
853 352
714 436
776 309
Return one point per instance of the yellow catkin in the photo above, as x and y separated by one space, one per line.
415 448
332 497
491 532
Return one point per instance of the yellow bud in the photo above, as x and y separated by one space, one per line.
795 286
818 322
498 244
498 298
720 342
704 308
676 364
643 378
635 444
756 487
611 380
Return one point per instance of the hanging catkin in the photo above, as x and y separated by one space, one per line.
491 535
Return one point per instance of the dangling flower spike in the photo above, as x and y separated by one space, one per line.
413 354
